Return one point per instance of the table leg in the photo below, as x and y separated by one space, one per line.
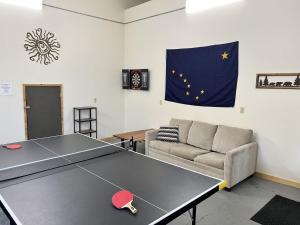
194 215
134 146
122 142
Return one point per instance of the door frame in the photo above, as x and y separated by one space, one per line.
25 104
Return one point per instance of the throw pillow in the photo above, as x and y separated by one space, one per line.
168 134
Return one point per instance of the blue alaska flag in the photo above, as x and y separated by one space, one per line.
205 76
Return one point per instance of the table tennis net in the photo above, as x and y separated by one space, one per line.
57 161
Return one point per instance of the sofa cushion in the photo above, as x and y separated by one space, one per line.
228 138
184 127
167 133
186 151
213 159
202 135
160 145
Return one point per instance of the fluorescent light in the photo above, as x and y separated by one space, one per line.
32 4
193 6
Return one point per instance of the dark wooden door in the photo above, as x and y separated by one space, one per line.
43 110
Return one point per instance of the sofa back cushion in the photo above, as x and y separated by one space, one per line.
168 134
202 135
228 138
184 127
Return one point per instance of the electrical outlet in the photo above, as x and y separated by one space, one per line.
95 100
242 110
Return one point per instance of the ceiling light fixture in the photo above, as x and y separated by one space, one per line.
32 4
193 6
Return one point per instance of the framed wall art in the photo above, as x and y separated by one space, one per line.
278 81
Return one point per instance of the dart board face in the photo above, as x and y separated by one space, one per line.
135 79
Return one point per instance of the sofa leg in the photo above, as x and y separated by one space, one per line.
228 189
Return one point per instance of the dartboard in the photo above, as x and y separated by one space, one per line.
136 80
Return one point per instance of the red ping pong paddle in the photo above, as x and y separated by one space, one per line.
123 199
13 146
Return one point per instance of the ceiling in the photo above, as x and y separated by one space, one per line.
131 3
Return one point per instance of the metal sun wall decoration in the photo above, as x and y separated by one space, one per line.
278 81
42 46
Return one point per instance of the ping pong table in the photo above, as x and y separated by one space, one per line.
70 180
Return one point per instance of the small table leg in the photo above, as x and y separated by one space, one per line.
122 142
134 145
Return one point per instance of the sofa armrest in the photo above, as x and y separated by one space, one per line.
240 163
149 136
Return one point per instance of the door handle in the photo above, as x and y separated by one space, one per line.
27 107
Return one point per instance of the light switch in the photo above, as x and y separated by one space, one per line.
161 102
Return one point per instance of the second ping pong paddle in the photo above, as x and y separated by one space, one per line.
12 146
123 199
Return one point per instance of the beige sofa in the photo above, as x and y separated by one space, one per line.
224 152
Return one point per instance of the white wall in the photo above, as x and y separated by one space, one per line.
89 67
268 32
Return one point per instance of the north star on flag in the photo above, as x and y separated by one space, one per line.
205 76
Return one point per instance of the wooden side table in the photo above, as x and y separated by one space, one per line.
133 137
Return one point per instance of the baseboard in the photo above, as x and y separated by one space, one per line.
278 180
